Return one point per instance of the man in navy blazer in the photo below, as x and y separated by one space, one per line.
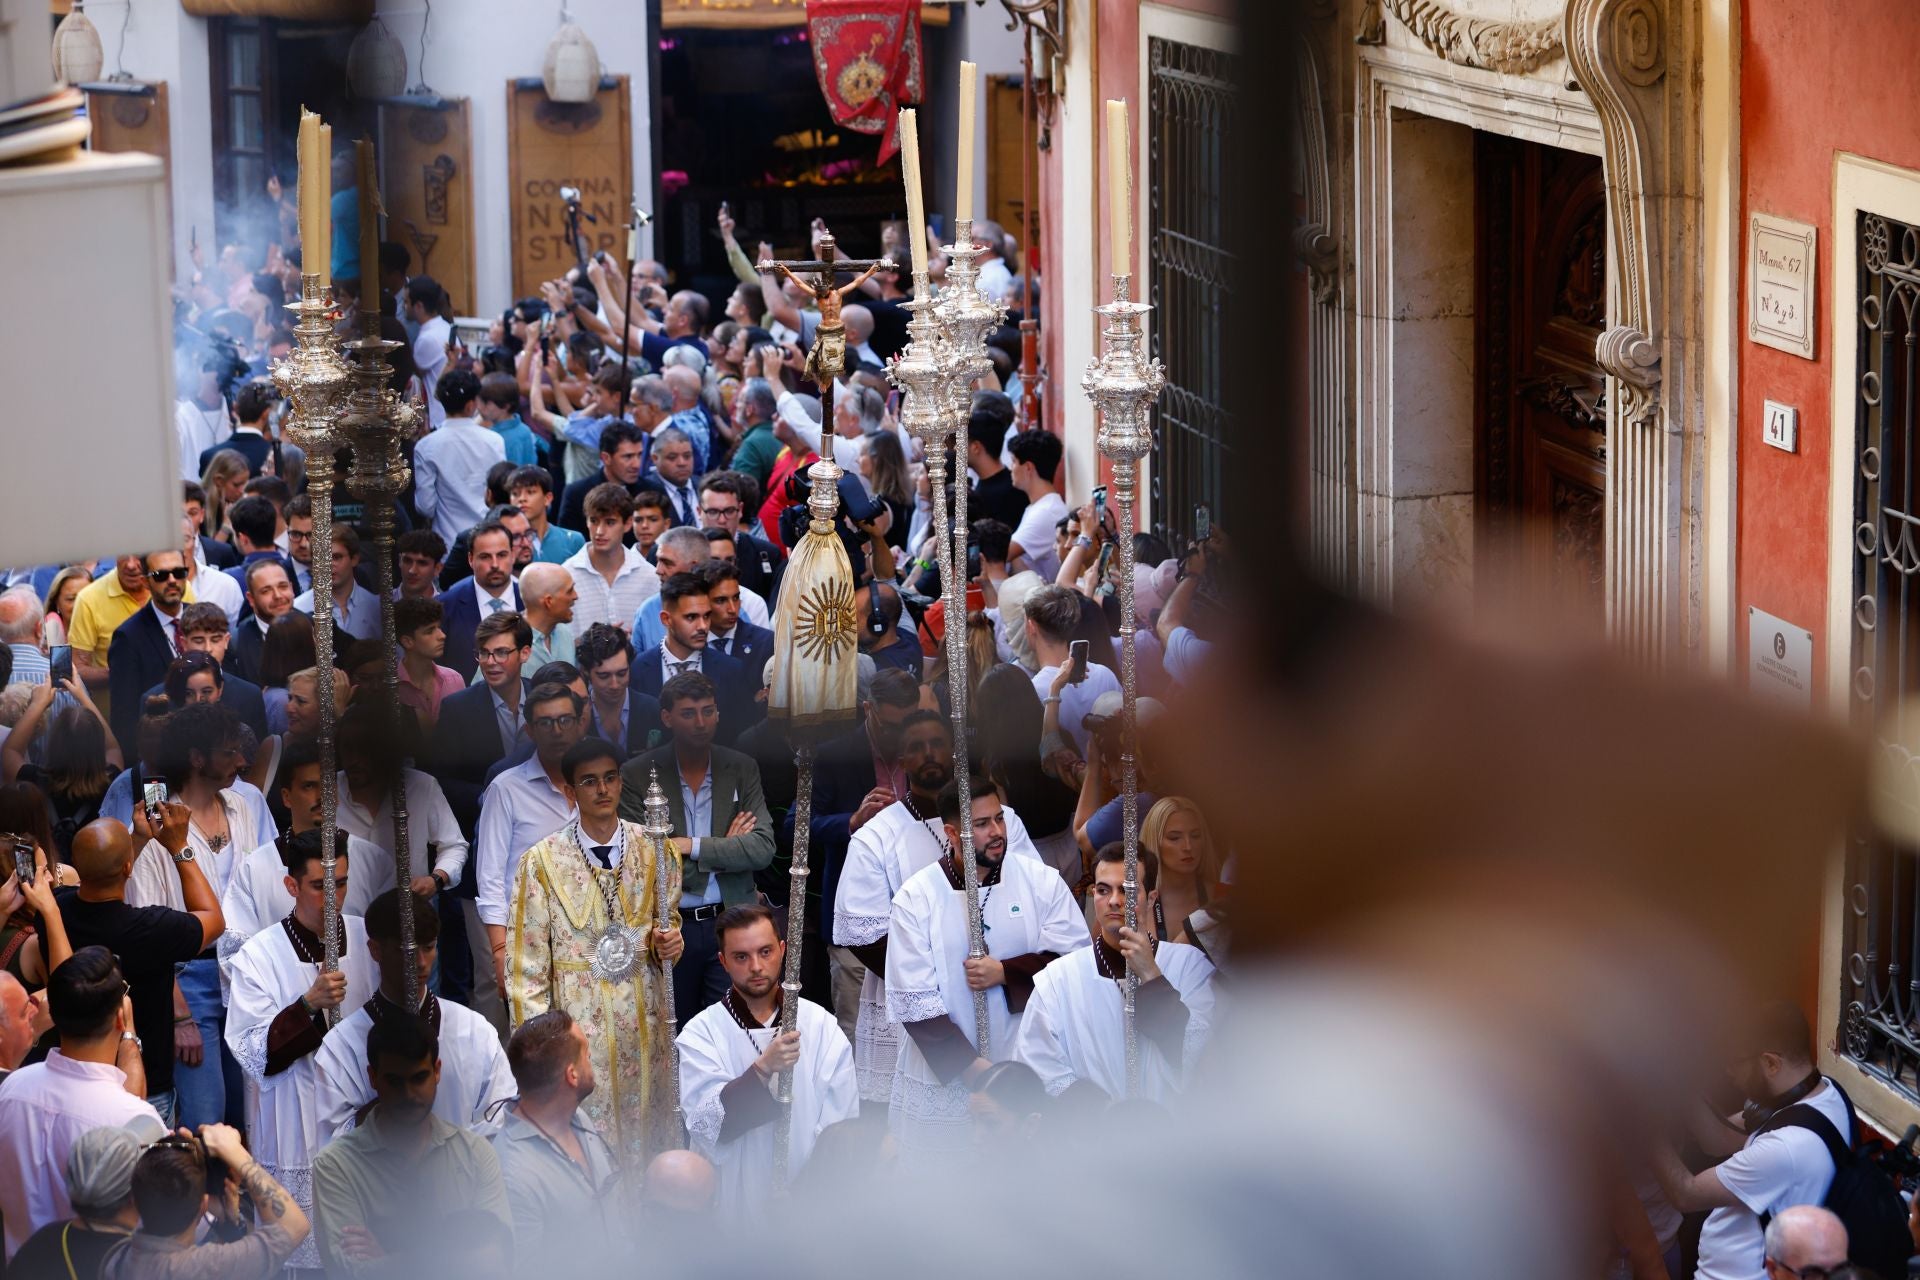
488 588
617 712
145 644
203 629
218 554
729 633
687 614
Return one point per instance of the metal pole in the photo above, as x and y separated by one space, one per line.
658 827
965 318
1122 385
790 979
314 378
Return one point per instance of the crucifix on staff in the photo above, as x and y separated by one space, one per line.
827 359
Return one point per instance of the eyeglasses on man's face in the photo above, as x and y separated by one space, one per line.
167 575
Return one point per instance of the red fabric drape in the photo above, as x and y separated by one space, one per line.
867 55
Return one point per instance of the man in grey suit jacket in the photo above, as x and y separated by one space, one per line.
728 837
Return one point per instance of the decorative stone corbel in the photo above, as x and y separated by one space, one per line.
1618 54
1513 48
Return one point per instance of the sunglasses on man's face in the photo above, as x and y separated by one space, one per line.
167 575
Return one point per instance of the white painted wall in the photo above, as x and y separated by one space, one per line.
474 48
164 44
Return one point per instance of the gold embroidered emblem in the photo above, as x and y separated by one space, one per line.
826 626
862 80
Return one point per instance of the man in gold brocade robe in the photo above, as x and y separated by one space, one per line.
583 935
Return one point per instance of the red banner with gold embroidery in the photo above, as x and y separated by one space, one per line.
867 55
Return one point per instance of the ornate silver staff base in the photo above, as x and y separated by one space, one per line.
965 316
376 423
1122 385
313 377
657 823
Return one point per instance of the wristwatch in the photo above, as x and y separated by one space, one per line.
185 855
1083 542
442 878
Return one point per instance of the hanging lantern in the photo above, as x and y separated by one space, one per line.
77 55
572 69
376 64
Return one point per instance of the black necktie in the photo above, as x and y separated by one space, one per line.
726 645
603 853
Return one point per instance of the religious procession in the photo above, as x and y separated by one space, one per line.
1036 638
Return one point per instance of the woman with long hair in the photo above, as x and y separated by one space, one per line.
884 465
81 759
61 593
225 481
1175 831
288 648
193 677
32 939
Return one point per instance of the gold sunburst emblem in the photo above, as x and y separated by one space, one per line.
826 627
863 79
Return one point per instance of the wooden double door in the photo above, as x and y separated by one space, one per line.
1540 450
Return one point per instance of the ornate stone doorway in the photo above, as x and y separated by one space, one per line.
1540 304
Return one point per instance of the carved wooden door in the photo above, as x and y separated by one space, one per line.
1540 452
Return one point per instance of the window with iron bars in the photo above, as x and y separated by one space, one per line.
1190 111
1880 976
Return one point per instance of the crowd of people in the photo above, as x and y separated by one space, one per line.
593 549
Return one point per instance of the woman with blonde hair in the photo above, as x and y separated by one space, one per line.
1175 831
225 481
61 593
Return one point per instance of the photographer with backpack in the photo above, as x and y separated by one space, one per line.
1792 1144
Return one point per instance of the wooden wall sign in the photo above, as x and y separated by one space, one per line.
131 121
426 178
551 145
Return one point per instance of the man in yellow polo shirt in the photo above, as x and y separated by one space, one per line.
98 611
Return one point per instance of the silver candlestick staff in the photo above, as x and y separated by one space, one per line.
1122 384
965 316
657 823
921 371
377 420
313 377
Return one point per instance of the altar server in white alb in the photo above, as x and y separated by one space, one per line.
1074 1031
257 897
1030 921
883 854
730 1053
475 1080
276 1018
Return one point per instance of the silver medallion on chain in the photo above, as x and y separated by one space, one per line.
618 950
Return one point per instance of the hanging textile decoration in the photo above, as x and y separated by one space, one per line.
867 55
815 687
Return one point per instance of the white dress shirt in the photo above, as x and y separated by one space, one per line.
430 358
450 474
43 1111
216 587
430 822
198 430
603 602
521 808
360 619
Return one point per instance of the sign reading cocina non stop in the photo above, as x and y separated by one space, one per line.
551 145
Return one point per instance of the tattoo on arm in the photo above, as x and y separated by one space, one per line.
268 1196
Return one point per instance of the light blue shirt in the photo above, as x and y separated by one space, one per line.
647 630
698 806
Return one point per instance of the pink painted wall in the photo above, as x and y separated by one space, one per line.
1817 77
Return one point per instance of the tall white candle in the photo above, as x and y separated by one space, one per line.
963 189
323 247
910 174
1120 186
309 134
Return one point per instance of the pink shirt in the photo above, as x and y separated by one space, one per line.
427 701
44 1109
